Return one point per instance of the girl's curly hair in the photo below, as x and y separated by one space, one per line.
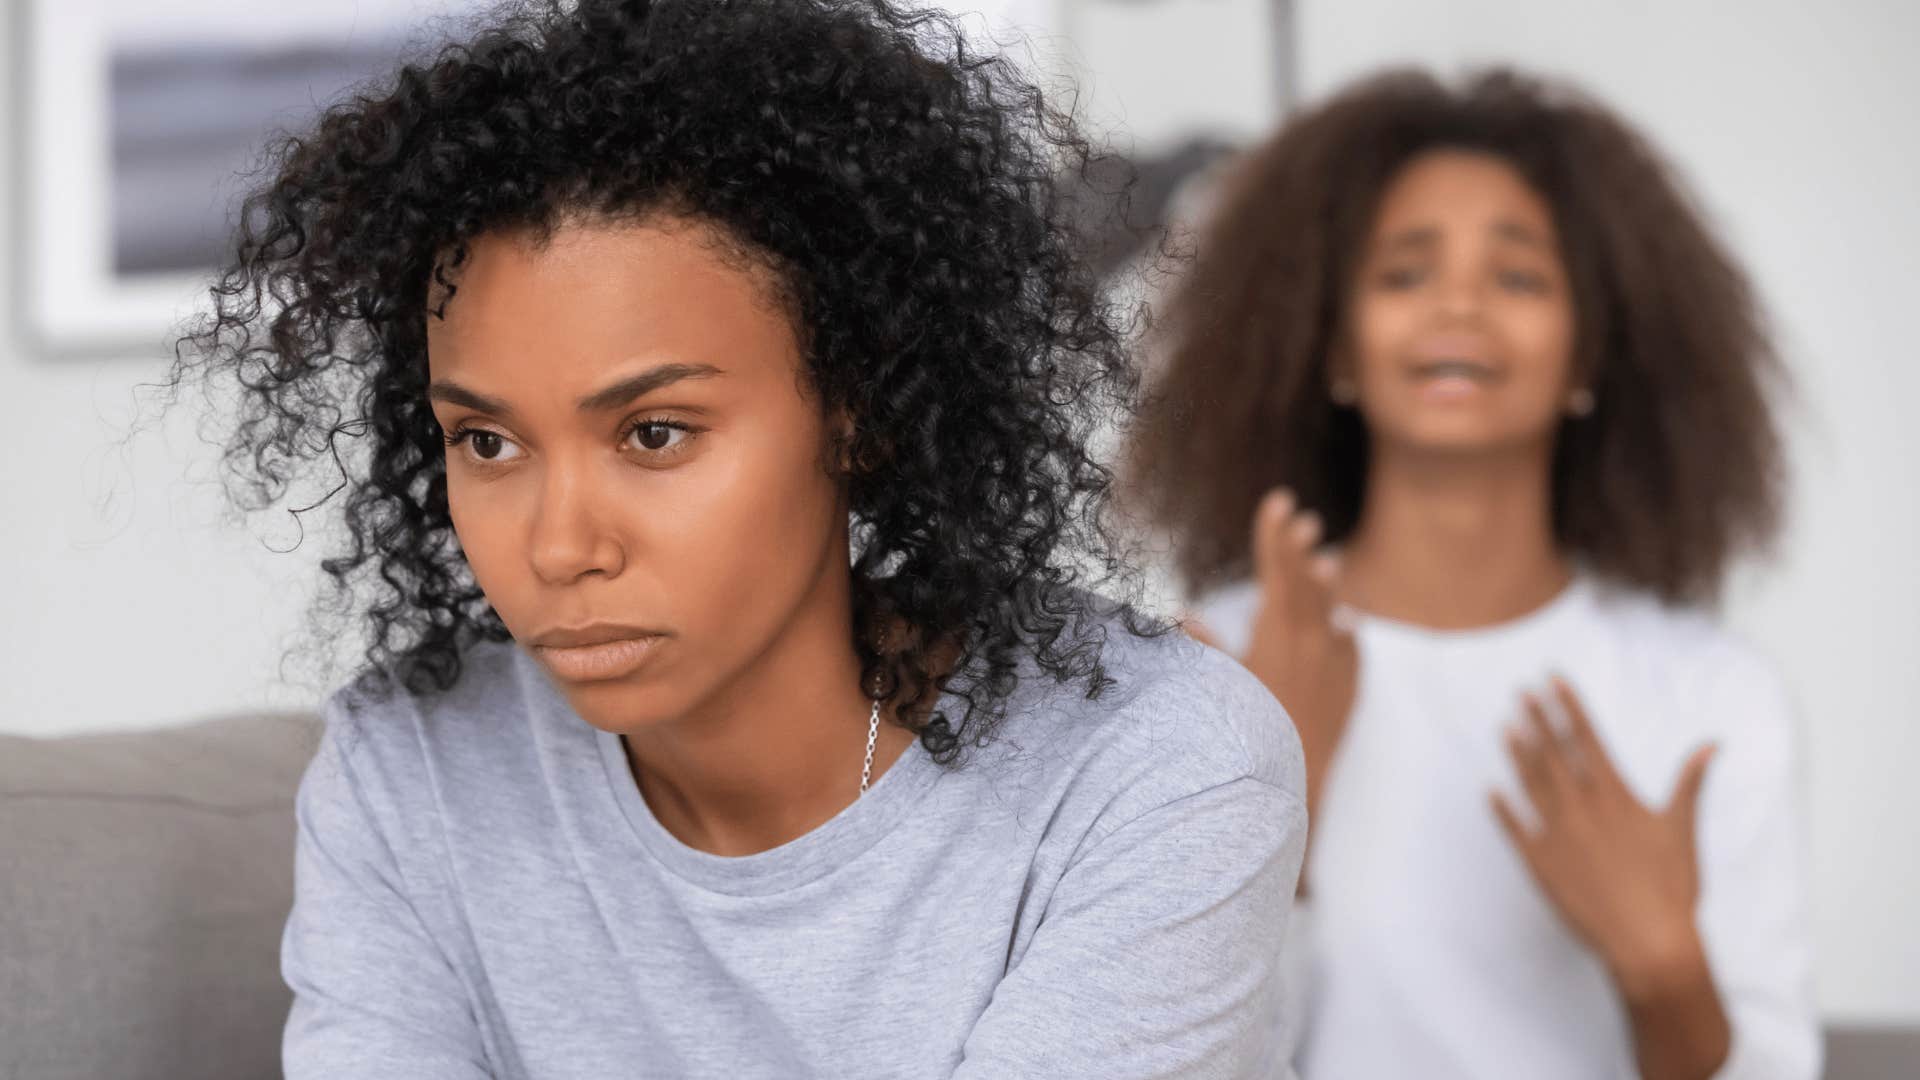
1677 471
899 183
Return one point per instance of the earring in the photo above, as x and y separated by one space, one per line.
1344 392
1580 402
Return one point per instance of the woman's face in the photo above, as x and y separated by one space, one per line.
636 470
1461 326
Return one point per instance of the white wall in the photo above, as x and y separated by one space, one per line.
1795 123
126 600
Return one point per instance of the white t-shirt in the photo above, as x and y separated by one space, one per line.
1431 951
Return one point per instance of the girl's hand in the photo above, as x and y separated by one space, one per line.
1296 649
1625 877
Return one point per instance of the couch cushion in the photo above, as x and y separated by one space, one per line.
1872 1051
144 880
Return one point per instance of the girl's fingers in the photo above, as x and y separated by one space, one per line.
1284 538
1324 569
1526 843
1296 583
1529 761
1509 821
1271 549
1307 600
1686 793
1593 752
1553 750
1304 532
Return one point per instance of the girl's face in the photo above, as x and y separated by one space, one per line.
636 470
1461 322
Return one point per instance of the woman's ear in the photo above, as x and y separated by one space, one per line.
1343 388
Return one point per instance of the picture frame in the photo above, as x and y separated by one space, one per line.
141 123
142 120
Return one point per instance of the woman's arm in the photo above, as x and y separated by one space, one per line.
1159 953
374 997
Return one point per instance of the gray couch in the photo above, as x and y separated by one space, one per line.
144 879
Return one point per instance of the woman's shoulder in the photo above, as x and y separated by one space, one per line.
376 724
1174 718
400 776
1221 705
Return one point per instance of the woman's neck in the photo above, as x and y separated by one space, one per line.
776 753
1454 543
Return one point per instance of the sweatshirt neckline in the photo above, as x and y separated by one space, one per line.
806 858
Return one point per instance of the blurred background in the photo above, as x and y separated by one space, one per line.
133 599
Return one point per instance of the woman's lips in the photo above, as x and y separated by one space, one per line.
1452 379
603 660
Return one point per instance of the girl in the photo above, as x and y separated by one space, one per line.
710 382
1475 344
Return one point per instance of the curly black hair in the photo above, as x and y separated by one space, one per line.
899 183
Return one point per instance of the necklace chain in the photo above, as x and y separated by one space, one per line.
873 735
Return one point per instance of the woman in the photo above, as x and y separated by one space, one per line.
1493 401
711 381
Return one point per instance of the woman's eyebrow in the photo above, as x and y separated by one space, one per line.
1419 236
454 394
618 394
610 397
1508 229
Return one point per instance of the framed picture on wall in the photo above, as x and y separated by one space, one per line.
143 122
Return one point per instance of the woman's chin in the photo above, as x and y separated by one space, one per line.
624 707
1460 433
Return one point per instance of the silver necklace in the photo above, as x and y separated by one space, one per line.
873 735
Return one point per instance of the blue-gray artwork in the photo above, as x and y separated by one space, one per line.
189 125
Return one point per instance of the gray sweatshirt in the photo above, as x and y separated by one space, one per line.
1102 891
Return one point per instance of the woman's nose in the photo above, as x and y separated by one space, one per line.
570 540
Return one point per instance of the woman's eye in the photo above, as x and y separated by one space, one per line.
1400 277
1523 281
655 436
487 447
